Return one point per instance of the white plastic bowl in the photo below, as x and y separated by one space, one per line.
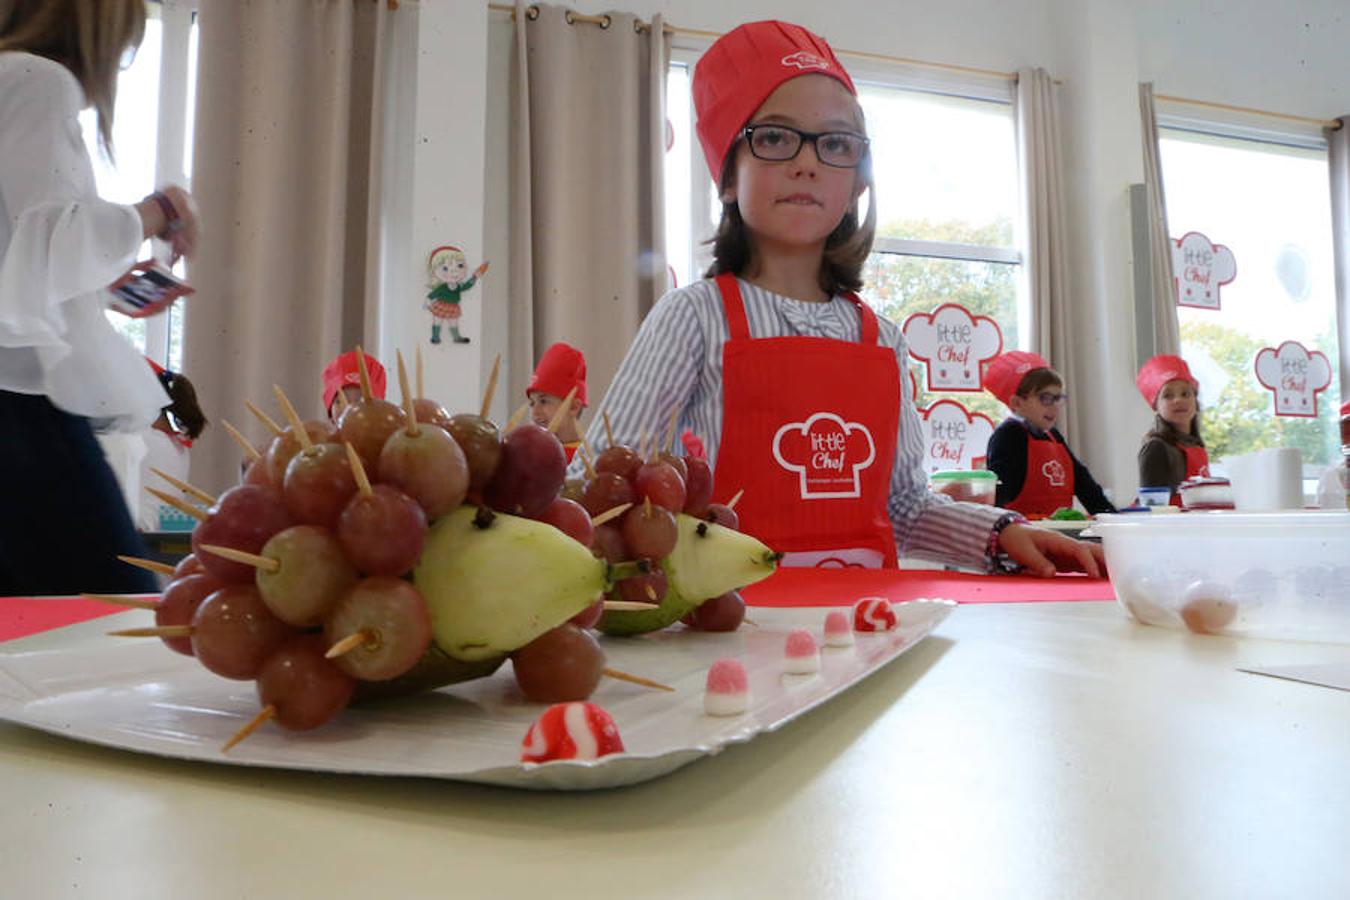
1279 575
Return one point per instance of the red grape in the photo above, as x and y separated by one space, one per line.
233 632
560 665
724 613
429 412
313 575
319 482
608 544
620 460
482 446
589 616
257 472
427 466
188 565
382 532
529 474
677 463
179 602
244 518
721 514
397 625
649 588
650 531
698 486
305 689
660 483
606 491
570 518
284 446
574 489
367 424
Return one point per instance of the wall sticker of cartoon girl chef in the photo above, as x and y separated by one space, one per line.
446 269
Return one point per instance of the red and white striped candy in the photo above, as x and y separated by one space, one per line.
803 656
571 731
873 614
838 629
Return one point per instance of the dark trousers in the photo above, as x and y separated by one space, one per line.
63 519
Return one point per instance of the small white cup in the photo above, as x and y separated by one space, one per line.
1155 496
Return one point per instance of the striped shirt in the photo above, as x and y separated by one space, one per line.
676 362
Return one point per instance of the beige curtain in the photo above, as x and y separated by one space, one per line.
1040 152
285 170
1166 327
1338 141
587 219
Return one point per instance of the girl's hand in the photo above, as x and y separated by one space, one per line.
1042 552
171 214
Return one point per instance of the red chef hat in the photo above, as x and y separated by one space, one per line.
561 368
1157 372
1005 372
742 68
343 371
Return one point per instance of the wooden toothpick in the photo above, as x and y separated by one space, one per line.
264 418
249 450
149 565
612 513
267 712
491 387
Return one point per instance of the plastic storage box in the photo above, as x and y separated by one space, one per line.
1279 575
971 485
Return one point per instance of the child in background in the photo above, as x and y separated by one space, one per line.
787 378
1037 473
561 370
1173 449
343 374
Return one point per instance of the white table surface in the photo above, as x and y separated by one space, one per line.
1026 750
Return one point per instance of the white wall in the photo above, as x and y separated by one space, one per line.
1290 56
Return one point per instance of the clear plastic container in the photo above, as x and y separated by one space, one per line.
970 485
1282 575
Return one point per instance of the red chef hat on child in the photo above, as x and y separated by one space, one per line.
742 68
1157 372
561 368
343 371
1005 372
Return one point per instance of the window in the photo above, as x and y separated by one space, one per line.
945 166
1270 204
152 134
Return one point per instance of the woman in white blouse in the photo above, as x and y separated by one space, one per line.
64 370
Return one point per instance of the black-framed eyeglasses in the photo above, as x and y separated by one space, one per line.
780 143
1049 399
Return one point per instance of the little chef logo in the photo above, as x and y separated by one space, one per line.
1054 473
827 454
805 59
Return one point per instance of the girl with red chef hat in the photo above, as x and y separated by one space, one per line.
561 370
343 374
773 362
1037 473
1173 449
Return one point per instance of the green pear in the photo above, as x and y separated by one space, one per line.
494 582
708 560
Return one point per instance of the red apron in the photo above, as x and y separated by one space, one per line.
1197 466
808 431
571 450
1049 479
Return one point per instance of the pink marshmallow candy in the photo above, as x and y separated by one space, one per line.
838 630
728 690
571 731
873 614
802 654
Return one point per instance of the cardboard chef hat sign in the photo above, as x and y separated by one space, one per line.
1159 370
1006 371
1199 268
343 370
742 68
954 437
1295 375
560 369
954 345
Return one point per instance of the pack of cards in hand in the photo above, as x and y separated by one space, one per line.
147 289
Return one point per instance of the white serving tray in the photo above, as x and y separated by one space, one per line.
138 695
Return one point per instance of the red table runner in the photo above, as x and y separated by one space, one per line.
841 587
22 616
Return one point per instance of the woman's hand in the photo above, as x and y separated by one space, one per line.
1042 552
171 214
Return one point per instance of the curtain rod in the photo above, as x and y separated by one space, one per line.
1333 124
603 21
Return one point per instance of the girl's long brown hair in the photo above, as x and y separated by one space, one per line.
88 37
